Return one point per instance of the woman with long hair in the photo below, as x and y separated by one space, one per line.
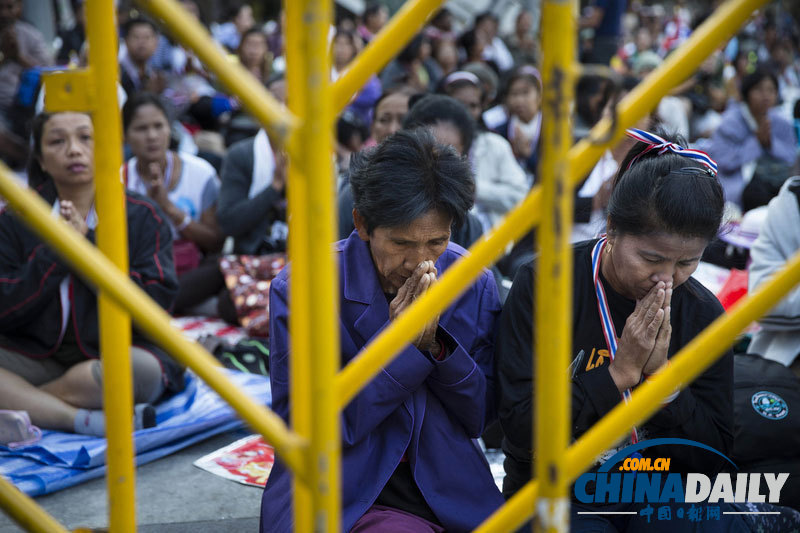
49 345
186 189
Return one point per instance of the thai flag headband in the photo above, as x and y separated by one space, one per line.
655 142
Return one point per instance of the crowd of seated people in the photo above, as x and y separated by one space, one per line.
431 154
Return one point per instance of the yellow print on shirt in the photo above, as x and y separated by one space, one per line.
596 359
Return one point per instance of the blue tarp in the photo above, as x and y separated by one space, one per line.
61 460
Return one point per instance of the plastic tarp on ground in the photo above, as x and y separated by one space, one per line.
61 460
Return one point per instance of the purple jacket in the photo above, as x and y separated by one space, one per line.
432 411
734 144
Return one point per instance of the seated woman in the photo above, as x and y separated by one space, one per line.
523 98
665 208
500 182
409 459
451 124
49 358
185 187
756 147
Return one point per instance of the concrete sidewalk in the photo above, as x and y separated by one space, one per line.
173 496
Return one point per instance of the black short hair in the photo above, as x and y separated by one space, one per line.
408 175
253 30
432 109
372 10
138 100
138 21
468 40
412 49
665 193
397 89
484 16
756 77
522 72
588 87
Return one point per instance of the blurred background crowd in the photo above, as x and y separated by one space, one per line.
480 59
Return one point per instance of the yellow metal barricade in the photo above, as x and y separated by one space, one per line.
311 450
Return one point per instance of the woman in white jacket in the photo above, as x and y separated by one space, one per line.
777 242
500 182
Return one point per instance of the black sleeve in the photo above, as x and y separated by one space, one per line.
236 213
583 208
151 261
515 371
29 281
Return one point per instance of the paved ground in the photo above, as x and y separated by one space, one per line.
173 496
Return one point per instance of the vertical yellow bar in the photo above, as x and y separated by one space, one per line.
299 296
317 139
554 273
112 239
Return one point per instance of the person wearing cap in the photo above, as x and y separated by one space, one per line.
779 239
500 182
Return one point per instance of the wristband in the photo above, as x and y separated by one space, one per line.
184 223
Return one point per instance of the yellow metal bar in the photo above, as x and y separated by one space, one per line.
387 43
582 157
151 319
112 239
678 66
386 345
514 513
70 90
316 136
26 512
300 362
553 300
187 30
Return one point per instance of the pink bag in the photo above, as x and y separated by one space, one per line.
187 256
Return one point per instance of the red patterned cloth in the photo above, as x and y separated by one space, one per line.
248 278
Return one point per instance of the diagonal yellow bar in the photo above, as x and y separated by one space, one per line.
254 97
26 512
148 316
112 240
386 44
582 157
553 295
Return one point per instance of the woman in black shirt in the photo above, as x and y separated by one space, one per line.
666 206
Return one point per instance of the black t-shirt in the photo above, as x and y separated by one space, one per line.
702 412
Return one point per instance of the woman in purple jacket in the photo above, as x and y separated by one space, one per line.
409 457
755 146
